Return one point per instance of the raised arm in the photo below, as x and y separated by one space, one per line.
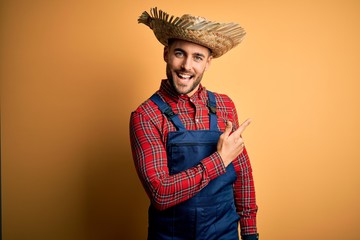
149 155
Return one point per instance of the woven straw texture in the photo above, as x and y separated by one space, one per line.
218 37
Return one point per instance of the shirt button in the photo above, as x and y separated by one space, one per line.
197 120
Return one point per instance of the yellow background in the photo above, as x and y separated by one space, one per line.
72 71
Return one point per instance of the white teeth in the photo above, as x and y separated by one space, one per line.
184 76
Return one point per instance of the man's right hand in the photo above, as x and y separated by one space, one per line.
230 145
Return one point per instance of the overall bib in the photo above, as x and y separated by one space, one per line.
210 214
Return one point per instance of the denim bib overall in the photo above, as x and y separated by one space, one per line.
210 214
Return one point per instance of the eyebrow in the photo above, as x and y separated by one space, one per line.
199 55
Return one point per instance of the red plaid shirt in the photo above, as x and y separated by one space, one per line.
148 134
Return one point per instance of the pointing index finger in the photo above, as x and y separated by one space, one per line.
243 126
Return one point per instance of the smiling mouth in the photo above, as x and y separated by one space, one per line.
184 76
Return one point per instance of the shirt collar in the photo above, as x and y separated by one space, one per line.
169 91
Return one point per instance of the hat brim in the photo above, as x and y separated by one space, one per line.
218 37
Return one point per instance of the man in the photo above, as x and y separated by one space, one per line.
188 155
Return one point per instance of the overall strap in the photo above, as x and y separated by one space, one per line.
167 111
212 111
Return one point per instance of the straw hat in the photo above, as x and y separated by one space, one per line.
218 37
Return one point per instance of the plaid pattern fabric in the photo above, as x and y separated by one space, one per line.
148 134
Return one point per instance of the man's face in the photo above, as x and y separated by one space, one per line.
186 64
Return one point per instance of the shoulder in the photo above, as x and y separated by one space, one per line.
147 112
223 100
147 109
226 110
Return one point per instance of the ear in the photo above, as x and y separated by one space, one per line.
208 62
166 54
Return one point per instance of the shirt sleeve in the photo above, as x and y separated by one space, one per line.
150 159
244 191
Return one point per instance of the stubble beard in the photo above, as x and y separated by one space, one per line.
177 88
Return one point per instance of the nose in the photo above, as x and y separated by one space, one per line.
186 64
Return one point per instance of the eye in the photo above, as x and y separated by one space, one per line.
179 54
198 58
